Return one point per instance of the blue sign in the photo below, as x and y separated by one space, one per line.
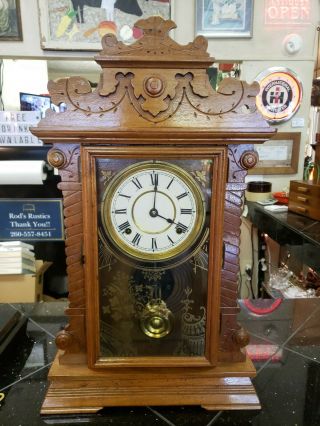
30 219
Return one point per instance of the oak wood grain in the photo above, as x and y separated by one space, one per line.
153 100
79 389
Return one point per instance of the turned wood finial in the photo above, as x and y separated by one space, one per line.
64 339
249 159
241 337
56 158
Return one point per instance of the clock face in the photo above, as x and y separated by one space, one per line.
153 211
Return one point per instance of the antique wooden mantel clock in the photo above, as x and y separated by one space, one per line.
152 165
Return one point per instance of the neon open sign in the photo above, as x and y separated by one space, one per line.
287 11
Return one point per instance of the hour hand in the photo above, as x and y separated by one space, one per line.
180 227
167 219
154 213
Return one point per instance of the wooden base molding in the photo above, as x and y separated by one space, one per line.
77 389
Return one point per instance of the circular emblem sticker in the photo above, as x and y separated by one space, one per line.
280 94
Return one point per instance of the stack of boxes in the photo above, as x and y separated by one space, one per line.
16 257
21 276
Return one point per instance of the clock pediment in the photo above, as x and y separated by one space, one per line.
154 85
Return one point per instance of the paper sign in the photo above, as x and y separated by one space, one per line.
272 153
31 219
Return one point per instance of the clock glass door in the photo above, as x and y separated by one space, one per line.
153 219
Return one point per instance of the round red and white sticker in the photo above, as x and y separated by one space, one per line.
280 94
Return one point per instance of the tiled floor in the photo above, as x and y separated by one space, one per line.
285 347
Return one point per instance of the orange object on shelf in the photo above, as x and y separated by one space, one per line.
281 197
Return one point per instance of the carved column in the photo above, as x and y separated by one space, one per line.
232 336
67 159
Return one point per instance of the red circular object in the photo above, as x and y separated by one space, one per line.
137 33
262 310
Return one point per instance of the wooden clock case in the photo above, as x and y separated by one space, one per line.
154 100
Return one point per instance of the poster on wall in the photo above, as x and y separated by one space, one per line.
224 18
10 20
80 24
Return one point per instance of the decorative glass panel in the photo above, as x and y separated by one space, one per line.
153 221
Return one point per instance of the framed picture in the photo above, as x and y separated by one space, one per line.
80 24
224 18
279 155
10 20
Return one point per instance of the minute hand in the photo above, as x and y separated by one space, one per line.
155 194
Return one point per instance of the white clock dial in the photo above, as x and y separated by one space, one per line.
153 211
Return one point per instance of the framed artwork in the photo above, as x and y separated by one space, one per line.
280 94
224 18
279 155
80 24
10 20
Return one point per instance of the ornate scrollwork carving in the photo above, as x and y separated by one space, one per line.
154 89
154 80
156 104
155 30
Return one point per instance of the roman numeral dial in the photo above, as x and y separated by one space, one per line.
153 211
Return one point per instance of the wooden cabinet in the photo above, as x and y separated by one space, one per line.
153 275
304 198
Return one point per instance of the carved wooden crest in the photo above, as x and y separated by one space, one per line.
155 83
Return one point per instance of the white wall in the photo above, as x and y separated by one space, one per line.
266 42
87 69
263 50
22 76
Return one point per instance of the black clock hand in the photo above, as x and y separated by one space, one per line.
167 219
180 227
155 193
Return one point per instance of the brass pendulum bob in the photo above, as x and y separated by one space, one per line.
156 319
